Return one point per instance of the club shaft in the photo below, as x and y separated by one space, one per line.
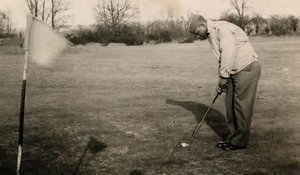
202 120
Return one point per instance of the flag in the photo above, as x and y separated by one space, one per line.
43 44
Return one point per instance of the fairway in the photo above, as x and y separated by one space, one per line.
121 110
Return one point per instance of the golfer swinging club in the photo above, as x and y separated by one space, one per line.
239 72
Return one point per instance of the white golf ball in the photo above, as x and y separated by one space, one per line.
184 145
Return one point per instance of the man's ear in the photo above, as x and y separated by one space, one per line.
201 24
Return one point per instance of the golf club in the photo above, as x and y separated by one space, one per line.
183 144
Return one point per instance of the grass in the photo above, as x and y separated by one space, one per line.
120 110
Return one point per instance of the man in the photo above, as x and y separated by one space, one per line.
239 72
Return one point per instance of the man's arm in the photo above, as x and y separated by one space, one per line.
227 58
227 50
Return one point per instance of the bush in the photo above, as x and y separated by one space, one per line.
189 39
152 37
165 36
278 25
76 38
159 36
130 35
101 35
133 40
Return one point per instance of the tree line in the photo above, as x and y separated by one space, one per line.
117 21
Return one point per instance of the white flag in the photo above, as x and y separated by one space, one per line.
44 44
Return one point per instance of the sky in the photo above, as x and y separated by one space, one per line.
82 13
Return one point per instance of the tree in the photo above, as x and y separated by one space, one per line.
258 22
113 14
279 25
185 20
5 25
293 23
58 17
240 7
230 17
51 11
44 13
2 24
38 9
33 6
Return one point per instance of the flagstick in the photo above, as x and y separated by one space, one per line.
23 95
22 109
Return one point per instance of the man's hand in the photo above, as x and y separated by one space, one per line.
222 85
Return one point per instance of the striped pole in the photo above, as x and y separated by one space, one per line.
23 95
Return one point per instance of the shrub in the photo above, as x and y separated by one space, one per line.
133 40
165 36
130 35
189 39
278 25
76 38
159 36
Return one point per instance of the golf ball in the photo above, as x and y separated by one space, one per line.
184 145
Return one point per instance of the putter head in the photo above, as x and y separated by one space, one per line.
184 145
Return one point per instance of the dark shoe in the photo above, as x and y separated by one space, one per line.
231 147
220 144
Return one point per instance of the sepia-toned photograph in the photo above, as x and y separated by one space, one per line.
149 87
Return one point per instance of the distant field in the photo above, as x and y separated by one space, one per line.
120 110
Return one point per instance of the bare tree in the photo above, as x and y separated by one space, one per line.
36 8
185 19
258 21
2 24
240 7
44 10
58 16
33 6
52 11
113 14
230 17
5 25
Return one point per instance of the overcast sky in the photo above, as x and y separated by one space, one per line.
81 10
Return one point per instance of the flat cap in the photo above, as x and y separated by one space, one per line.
194 22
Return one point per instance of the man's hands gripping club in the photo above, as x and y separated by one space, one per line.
222 85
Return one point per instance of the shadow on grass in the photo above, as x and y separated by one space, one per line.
48 153
8 161
136 172
214 119
94 146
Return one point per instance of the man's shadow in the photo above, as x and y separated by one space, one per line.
214 119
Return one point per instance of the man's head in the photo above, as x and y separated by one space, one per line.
198 26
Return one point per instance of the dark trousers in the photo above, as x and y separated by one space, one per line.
239 102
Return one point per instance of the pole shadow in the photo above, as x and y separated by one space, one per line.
7 161
94 146
214 119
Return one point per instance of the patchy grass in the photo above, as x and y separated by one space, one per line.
120 110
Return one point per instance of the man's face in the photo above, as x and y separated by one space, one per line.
201 31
